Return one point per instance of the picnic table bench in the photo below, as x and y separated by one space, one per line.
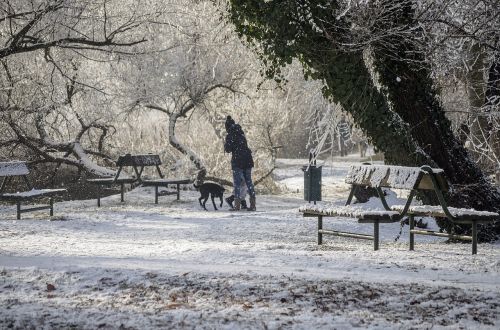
10 170
165 183
138 163
414 179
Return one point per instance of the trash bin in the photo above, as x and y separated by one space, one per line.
312 183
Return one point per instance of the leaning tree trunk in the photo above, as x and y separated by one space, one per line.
348 82
202 171
406 81
404 119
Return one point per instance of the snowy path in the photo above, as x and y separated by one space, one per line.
173 265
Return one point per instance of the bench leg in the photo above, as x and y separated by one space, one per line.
156 194
98 195
375 235
51 201
18 204
320 226
474 237
412 235
122 192
178 191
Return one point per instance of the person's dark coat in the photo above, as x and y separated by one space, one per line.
236 144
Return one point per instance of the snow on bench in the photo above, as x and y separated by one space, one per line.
350 211
437 211
11 169
138 160
398 177
30 194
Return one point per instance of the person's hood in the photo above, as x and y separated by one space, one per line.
235 129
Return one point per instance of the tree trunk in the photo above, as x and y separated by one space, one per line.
409 89
202 171
403 119
349 83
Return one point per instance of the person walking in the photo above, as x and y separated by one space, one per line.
241 163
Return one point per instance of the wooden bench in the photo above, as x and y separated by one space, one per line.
165 183
137 162
10 170
454 215
413 179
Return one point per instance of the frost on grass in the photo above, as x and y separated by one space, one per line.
142 265
132 299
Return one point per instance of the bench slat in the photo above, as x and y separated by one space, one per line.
438 234
345 234
165 182
15 168
466 215
352 212
112 180
398 177
138 160
26 195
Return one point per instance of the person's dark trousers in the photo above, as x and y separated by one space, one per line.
245 174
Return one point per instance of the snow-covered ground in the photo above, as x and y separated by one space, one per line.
173 265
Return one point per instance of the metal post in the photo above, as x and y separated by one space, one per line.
375 235
310 183
474 237
310 186
156 194
18 210
98 195
122 190
412 235
310 176
51 201
178 191
320 226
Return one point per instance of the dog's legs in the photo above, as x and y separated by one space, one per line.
213 201
204 202
221 196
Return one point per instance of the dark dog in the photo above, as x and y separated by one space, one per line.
212 189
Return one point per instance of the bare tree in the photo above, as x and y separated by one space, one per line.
462 42
201 77
53 55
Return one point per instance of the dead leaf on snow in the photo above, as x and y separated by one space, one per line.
247 306
173 306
